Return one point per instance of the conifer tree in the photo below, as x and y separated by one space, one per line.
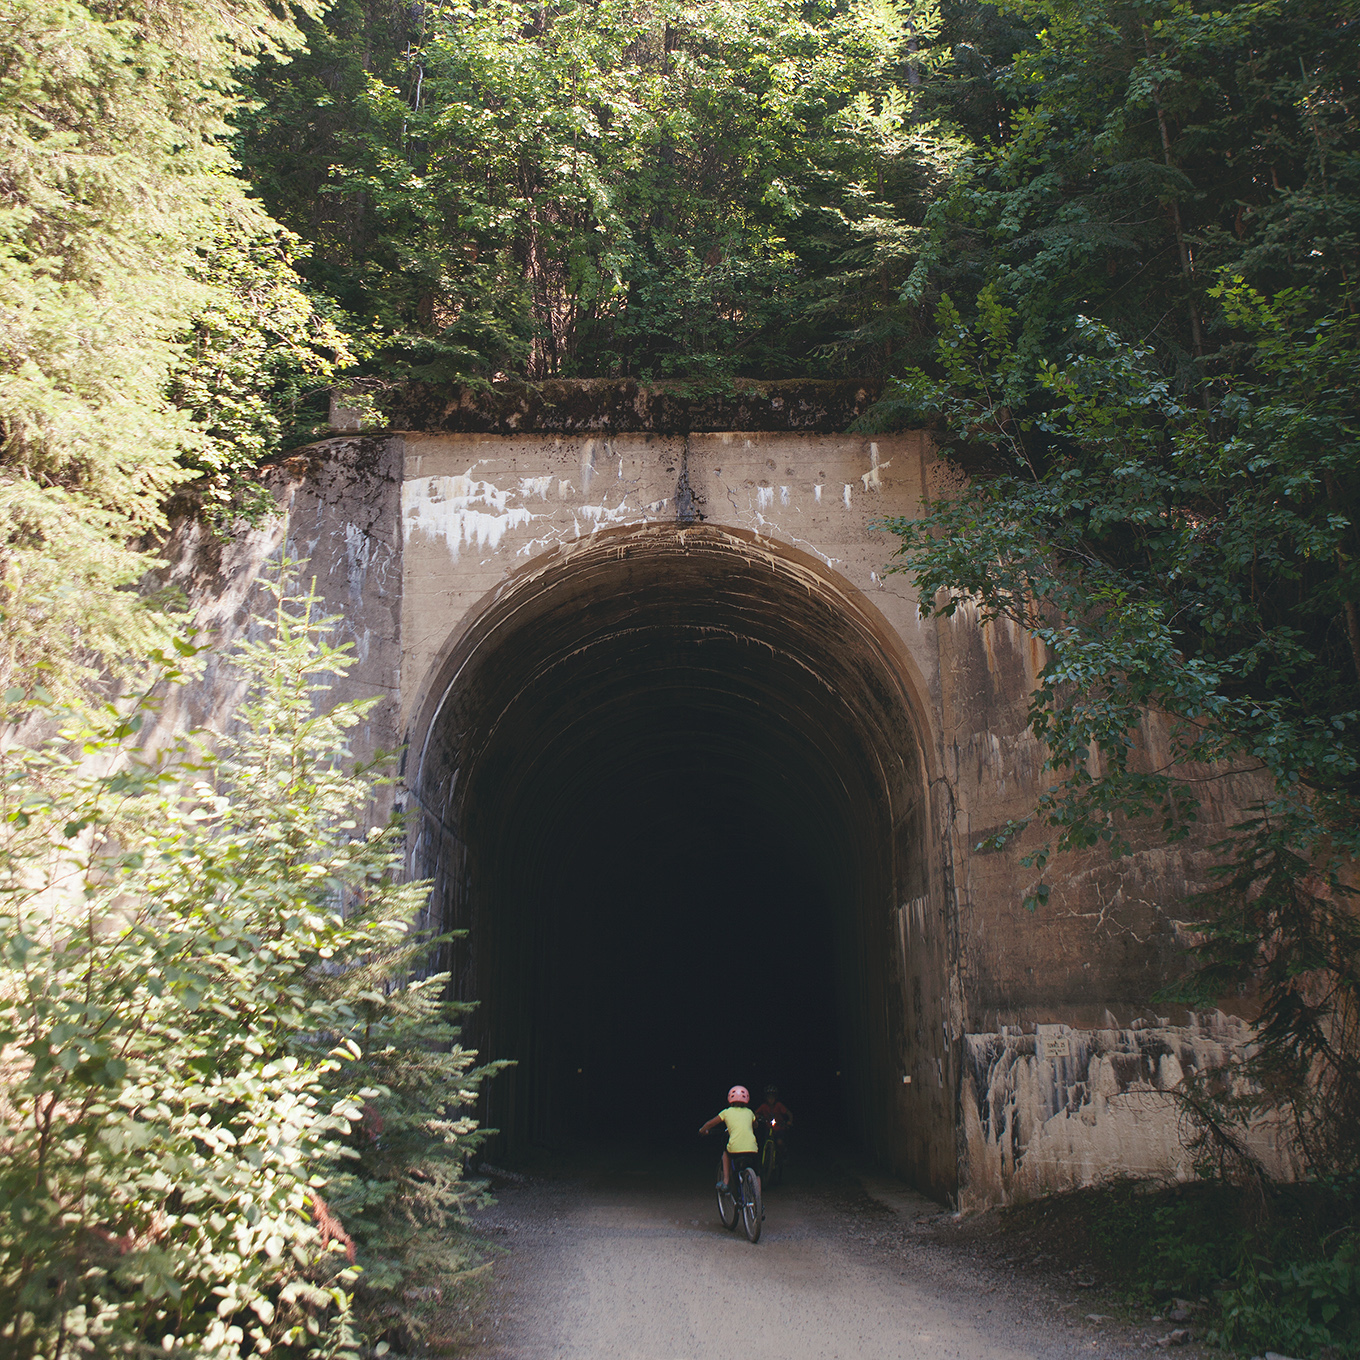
147 311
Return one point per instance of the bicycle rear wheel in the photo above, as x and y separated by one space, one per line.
752 1211
727 1205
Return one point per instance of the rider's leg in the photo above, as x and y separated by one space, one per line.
727 1168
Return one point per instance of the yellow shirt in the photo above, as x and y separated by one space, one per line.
741 1128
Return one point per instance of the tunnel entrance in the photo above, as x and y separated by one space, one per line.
671 781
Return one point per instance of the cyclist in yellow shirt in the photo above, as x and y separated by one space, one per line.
742 1147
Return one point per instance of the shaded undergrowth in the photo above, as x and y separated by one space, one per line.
1265 1268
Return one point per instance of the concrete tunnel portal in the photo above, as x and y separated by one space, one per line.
632 745
671 782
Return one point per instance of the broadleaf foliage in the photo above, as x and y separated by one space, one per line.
227 1100
1146 364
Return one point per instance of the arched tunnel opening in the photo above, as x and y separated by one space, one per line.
671 784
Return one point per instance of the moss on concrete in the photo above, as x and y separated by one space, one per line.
587 405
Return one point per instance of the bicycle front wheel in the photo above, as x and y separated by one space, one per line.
752 1211
769 1162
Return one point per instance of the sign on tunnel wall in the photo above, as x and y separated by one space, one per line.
989 1051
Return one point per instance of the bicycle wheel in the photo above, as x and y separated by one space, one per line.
769 1163
727 1205
752 1211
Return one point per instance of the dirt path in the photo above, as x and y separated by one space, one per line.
601 1266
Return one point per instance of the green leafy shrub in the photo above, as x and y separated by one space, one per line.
1271 1267
1301 1308
1161 1246
201 991
256 368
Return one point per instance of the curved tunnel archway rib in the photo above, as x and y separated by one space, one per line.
642 753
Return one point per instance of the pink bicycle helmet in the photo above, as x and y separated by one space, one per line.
739 1095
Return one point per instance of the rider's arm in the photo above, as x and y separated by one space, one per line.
712 1124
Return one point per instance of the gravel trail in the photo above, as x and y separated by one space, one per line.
606 1265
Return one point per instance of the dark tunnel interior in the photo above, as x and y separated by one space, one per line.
671 787
694 952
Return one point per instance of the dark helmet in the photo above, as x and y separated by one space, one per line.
772 1092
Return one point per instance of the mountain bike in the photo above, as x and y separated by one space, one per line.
772 1156
740 1199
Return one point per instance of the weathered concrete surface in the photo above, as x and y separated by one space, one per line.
339 513
518 603
485 505
1062 1108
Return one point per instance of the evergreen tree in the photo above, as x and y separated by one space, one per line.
401 1192
132 262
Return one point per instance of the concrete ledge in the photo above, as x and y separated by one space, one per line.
589 405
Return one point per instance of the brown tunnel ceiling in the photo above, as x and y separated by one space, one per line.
670 781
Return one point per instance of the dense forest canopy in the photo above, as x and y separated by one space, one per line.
1146 354
610 188
1106 249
